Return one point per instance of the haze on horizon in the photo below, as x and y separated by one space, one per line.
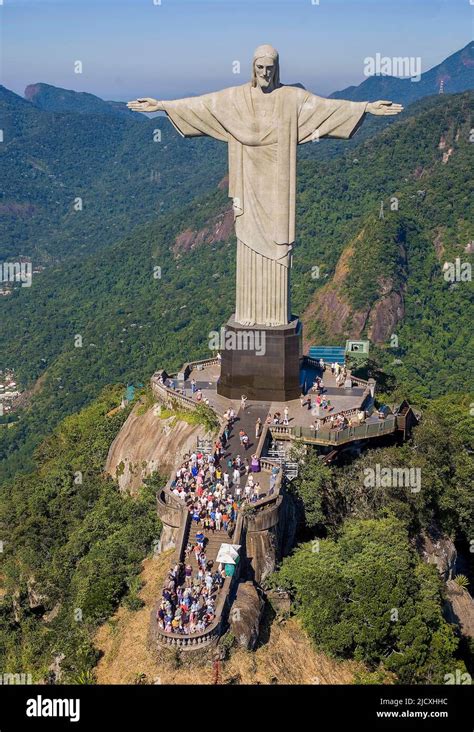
131 48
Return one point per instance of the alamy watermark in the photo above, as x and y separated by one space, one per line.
380 477
457 271
242 340
15 679
401 66
17 272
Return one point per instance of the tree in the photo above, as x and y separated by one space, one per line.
310 489
367 596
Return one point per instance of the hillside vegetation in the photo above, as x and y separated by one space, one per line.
72 547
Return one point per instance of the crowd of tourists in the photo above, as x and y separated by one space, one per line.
213 489
188 603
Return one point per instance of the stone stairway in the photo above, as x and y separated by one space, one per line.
211 546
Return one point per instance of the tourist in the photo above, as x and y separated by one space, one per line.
236 477
255 464
256 491
226 434
243 399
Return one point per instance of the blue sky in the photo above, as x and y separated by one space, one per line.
132 48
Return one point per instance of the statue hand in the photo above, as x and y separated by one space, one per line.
145 104
382 107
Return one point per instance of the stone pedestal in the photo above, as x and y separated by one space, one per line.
262 363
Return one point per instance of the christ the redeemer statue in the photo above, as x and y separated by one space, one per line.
262 122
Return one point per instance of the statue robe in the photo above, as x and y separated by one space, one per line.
262 179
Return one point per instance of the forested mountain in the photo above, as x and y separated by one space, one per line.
123 171
392 282
60 146
52 99
456 72
131 322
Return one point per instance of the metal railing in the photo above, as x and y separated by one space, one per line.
347 434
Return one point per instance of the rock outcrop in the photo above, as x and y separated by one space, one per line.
219 228
332 308
245 615
146 444
438 549
460 608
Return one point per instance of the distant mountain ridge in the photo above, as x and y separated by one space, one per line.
456 72
55 99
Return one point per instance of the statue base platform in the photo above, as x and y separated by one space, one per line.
261 362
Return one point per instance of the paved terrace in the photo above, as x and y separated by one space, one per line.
341 399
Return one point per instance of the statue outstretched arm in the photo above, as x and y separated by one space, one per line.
319 117
145 104
383 107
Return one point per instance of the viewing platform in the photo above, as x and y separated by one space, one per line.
307 422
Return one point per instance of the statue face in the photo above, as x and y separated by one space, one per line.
264 72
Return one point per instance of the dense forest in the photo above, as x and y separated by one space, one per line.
72 546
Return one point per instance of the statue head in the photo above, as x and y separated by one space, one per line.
266 68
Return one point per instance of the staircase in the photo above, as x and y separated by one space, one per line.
211 546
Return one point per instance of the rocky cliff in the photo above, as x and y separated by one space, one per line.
146 444
379 306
